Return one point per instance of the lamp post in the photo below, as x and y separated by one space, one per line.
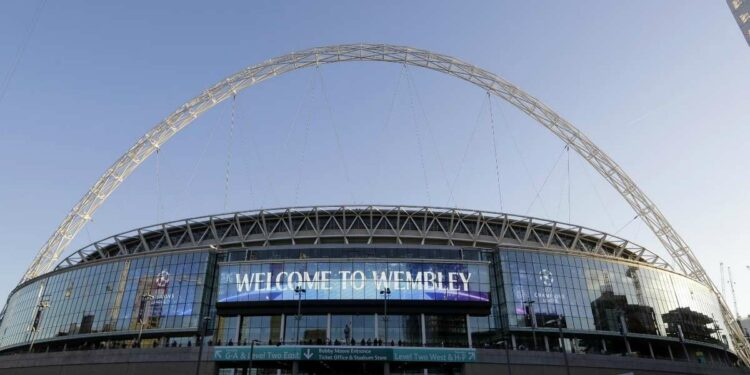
299 290
201 339
562 341
43 305
532 318
145 299
385 292
252 349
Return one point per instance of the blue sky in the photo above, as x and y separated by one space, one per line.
660 86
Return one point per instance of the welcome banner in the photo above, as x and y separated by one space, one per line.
351 280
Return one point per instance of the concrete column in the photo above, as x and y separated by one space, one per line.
669 348
295 368
282 328
546 343
386 368
513 341
604 345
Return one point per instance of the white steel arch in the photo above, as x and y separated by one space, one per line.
163 131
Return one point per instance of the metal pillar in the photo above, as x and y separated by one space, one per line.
299 290
468 331
682 342
385 292
562 342
37 321
424 331
624 332
145 299
200 341
532 319
651 350
252 351
669 349
507 351
725 344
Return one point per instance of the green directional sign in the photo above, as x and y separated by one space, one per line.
343 353
260 353
434 355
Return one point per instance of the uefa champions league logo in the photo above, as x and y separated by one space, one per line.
162 279
546 277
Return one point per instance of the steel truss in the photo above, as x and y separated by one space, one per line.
162 132
366 225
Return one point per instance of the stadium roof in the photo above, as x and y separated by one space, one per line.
364 225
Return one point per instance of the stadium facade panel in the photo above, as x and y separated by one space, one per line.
414 287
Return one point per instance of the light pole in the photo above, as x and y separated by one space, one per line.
532 318
562 341
43 305
201 339
299 290
145 299
385 292
252 349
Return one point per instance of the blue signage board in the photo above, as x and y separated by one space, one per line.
323 280
343 353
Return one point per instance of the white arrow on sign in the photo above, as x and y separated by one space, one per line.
308 354
217 353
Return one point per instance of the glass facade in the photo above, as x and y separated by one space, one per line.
335 329
170 292
155 292
345 328
307 329
446 330
403 330
265 329
592 294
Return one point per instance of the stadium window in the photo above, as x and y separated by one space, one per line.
744 17
736 3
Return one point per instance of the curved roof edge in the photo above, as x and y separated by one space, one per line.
366 224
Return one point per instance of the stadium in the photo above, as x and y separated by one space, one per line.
367 289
